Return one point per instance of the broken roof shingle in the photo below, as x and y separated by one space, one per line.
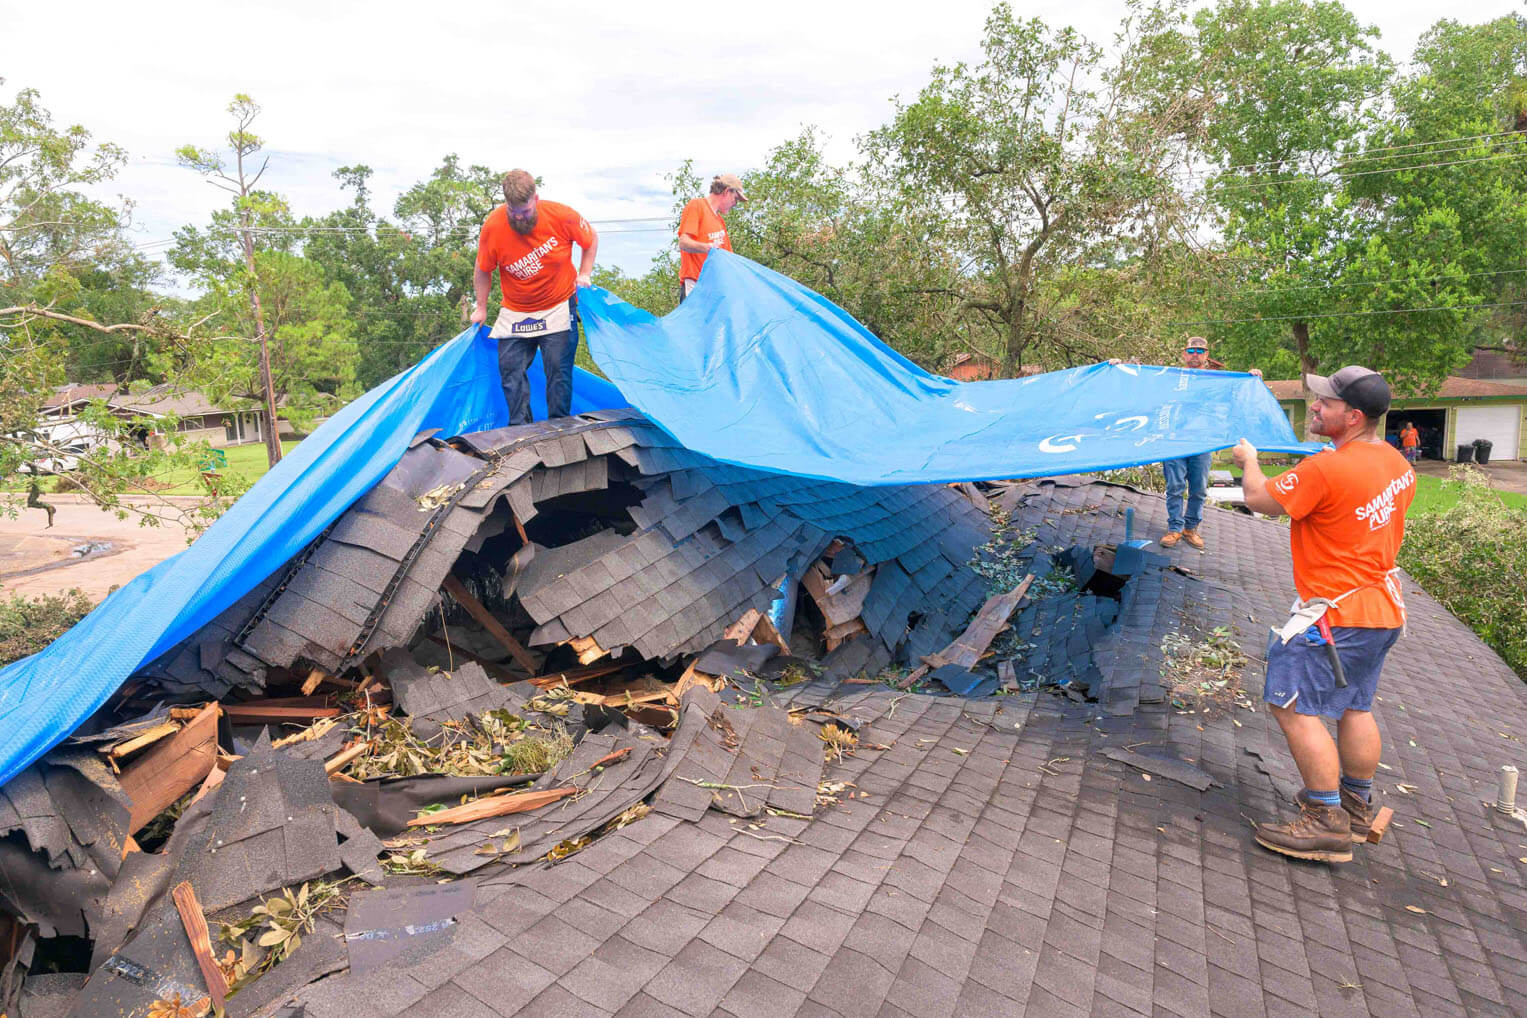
992 858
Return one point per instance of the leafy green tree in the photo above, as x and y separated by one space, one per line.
249 204
1450 161
818 223
311 340
1047 154
288 339
407 278
73 298
1341 249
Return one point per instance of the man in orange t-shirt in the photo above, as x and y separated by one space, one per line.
1347 506
530 243
703 230
1410 442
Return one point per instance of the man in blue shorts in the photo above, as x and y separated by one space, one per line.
1347 505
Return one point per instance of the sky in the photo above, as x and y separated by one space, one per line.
598 99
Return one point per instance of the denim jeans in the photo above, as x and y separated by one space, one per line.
1191 475
558 351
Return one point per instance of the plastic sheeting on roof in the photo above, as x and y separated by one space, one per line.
456 389
753 369
757 370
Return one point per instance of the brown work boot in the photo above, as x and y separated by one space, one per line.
1321 833
1170 539
1359 813
1191 536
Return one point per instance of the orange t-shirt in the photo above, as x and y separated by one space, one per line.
1410 438
1348 510
700 222
535 269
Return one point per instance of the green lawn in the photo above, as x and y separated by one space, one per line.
246 462
1431 497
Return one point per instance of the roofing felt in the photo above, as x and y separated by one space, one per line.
994 860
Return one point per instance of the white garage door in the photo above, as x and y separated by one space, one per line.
1497 423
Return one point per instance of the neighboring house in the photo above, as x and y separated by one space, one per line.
198 418
1462 410
1496 366
68 400
59 423
975 367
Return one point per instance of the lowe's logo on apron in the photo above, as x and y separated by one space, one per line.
511 323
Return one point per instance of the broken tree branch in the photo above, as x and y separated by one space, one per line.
494 806
201 941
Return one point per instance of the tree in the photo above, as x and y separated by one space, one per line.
73 297
310 357
408 278
1336 255
237 181
1045 155
817 223
291 339
1454 148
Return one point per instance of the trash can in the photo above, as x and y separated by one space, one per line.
1466 453
1482 447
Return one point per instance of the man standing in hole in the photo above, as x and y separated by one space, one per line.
530 243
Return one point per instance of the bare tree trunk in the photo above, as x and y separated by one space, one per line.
1012 350
1307 362
268 413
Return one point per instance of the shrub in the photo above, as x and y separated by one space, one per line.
1147 477
27 625
1472 556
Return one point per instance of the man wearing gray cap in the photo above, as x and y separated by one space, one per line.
1347 505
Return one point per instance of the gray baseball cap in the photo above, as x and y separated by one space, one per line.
1357 386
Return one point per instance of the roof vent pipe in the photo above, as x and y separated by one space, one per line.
1506 800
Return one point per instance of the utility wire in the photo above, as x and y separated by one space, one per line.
1366 173
1186 292
1365 154
1355 314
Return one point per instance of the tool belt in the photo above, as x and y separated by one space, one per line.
1304 614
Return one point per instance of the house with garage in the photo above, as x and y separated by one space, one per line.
1459 412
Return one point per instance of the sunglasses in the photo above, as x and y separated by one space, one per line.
1196 349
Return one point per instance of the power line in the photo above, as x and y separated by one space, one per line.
1341 286
1365 173
458 233
1366 153
1355 314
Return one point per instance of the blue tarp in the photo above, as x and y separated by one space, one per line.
757 370
753 369
456 389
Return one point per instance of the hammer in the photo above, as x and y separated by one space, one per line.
1324 628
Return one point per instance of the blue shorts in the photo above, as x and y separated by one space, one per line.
1299 672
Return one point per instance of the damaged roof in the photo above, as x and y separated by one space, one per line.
1076 849
702 542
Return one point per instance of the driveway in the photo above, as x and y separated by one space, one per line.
1505 475
85 548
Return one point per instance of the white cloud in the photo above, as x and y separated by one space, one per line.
599 99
